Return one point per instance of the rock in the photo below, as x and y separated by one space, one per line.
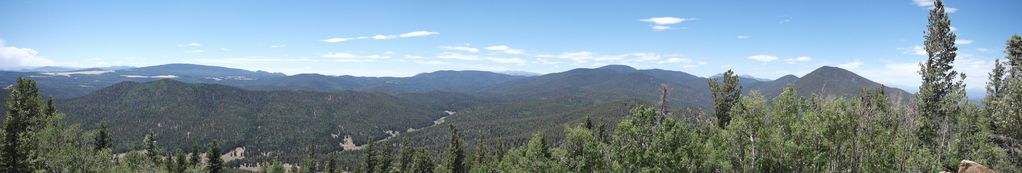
968 166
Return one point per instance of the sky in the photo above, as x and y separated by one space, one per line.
878 39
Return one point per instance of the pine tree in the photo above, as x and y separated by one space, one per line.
331 164
454 157
479 157
406 156
275 167
1007 107
103 140
995 85
725 95
182 163
309 163
368 164
194 159
942 87
384 159
152 151
215 164
423 162
23 109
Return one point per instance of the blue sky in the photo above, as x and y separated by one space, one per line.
878 39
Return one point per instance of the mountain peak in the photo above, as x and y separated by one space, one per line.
618 68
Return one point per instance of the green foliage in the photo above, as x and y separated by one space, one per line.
214 163
725 95
24 112
275 167
942 89
102 140
454 157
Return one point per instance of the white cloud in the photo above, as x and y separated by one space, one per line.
278 46
914 50
506 49
664 20
21 57
850 65
951 10
195 51
383 37
225 49
923 3
663 23
461 48
380 36
963 42
763 58
338 39
417 34
798 59
743 37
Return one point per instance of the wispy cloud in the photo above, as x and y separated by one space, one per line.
763 58
742 37
914 50
11 56
418 34
381 36
963 41
798 59
664 23
461 48
278 46
196 51
506 49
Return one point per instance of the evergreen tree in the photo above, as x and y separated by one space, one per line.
309 163
1007 107
182 163
103 140
942 88
214 163
405 156
384 159
152 151
194 159
423 162
23 110
275 167
725 95
331 164
454 157
479 157
368 164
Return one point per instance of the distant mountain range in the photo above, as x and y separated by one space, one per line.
268 112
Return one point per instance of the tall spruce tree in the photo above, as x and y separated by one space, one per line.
1007 107
368 164
215 164
151 149
725 95
102 140
942 88
193 159
309 163
454 157
405 156
23 110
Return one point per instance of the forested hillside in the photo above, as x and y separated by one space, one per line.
260 121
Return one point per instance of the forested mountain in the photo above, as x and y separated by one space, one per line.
262 121
67 84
